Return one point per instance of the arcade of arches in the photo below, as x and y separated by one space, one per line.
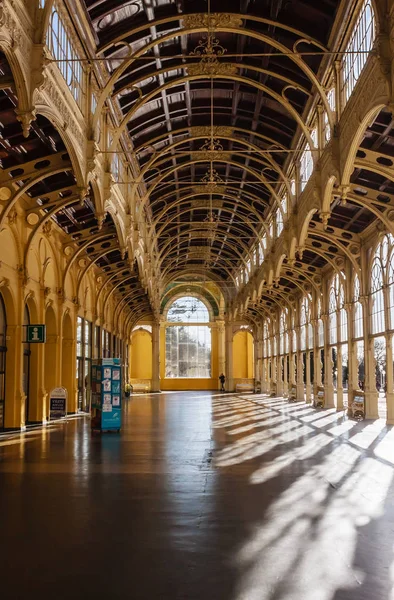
197 192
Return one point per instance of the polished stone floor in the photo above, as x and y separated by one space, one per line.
201 496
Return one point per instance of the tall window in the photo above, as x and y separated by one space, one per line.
326 123
294 340
105 344
266 339
306 160
390 285
303 322
358 310
3 350
188 346
282 328
382 273
62 48
358 48
279 222
320 325
84 356
378 267
333 307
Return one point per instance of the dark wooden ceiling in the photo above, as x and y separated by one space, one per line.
78 221
243 103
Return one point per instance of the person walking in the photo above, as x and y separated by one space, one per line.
222 379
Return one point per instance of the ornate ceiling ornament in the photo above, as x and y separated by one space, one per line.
213 145
207 189
209 49
212 179
212 21
218 131
212 149
201 203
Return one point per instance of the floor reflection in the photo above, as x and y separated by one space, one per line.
201 496
329 480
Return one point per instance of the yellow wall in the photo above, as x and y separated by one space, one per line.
186 383
243 360
141 355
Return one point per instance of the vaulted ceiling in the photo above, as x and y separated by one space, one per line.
211 112
43 158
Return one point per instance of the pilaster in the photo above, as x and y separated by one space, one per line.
156 357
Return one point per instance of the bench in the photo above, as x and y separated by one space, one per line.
140 387
244 387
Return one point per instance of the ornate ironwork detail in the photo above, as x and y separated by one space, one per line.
210 155
209 49
217 131
213 145
207 203
212 178
207 189
212 149
212 21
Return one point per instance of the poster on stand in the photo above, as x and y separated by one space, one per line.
58 403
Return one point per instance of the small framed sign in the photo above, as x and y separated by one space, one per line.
36 334
58 403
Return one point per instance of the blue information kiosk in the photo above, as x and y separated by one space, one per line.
106 411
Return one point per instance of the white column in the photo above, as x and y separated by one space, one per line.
229 358
339 379
221 348
300 367
389 380
371 394
308 388
328 381
285 376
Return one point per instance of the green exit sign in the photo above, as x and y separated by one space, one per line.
36 334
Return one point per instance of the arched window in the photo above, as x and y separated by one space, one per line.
62 48
335 303
390 285
342 315
377 274
274 350
266 338
303 322
306 160
3 350
279 222
294 340
283 333
188 310
358 48
326 123
358 310
188 346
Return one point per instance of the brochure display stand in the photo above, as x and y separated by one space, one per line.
106 411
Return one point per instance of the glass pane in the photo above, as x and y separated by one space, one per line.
188 351
188 309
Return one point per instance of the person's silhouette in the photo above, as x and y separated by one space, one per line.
222 379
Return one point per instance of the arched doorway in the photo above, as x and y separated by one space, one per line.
141 357
3 354
189 346
243 356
